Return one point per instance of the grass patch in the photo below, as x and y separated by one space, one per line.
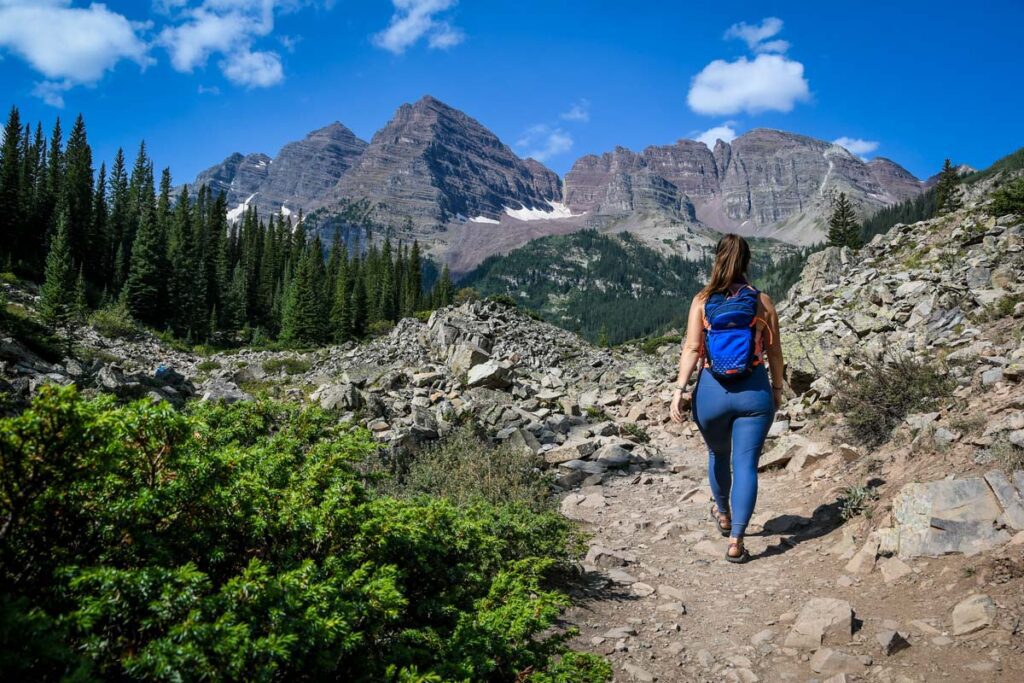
636 432
289 366
874 401
1007 456
208 365
36 337
596 414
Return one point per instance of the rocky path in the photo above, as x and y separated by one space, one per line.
662 604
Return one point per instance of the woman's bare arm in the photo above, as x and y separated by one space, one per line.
774 348
689 356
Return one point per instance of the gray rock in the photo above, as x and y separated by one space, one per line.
613 455
829 662
891 642
822 621
489 374
947 516
990 377
1009 498
222 391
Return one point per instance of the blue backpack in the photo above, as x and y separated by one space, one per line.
730 331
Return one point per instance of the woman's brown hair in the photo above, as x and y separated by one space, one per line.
732 256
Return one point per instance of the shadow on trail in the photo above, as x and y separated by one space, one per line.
824 520
593 586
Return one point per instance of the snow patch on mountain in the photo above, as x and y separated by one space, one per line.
556 210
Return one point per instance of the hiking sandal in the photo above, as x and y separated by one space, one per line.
737 559
717 516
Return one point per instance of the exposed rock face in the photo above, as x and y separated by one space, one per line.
767 182
432 163
304 171
239 177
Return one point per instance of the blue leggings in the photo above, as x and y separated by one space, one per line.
734 418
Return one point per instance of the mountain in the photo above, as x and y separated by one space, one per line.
436 174
766 183
299 176
432 164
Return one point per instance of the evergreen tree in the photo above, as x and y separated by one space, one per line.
947 198
413 282
117 224
358 312
306 318
341 304
843 229
57 303
77 193
12 226
100 229
145 288
444 290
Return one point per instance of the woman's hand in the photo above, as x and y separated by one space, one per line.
680 399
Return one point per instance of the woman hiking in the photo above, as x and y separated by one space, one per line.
732 329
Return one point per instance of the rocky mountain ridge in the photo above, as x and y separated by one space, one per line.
435 174
765 183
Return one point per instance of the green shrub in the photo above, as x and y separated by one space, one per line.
466 294
422 316
380 328
1007 456
875 400
8 278
464 468
1008 199
651 345
21 325
503 299
208 365
290 366
855 500
596 414
114 321
238 543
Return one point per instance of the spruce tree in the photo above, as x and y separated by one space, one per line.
77 193
947 198
145 288
100 232
843 229
444 290
117 223
305 320
57 302
413 281
12 227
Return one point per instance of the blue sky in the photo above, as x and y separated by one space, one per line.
199 79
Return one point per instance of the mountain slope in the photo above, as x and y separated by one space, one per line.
432 163
766 183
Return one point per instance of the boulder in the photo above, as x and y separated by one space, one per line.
466 356
830 662
822 621
613 455
491 374
222 391
947 516
891 642
338 397
973 614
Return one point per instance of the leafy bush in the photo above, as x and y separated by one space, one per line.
114 321
208 365
237 543
466 294
422 316
854 501
652 345
875 400
464 468
290 366
596 414
380 328
503 299
1008 199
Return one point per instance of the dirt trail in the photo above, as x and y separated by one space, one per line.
662 603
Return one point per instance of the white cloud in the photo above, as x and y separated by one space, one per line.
856 145
414 19
229 28
253 69
725 132
69 45
543 142
767 83
208 90
579 111
756 35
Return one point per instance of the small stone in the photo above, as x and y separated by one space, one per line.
828 661
642 589
891 642
620 632
894 569
638 674
762 637
676 608
822 621
990 377
670 592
